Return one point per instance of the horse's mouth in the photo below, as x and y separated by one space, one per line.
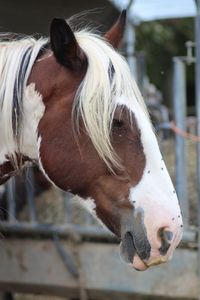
129 254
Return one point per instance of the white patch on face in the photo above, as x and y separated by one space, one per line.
33 110
155 193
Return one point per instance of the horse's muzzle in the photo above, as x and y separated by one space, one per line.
136 250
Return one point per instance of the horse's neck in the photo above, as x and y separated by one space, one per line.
33 109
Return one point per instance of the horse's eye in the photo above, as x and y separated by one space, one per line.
117 124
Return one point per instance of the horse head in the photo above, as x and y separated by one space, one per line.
86 123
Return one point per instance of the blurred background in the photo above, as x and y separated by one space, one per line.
50 246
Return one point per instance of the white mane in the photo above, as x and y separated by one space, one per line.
16 60
96 98
95 101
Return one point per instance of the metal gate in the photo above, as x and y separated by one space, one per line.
81 258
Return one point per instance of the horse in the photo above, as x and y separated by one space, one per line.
70 105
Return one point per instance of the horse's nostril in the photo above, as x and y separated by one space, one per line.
168 235
165 237
165 234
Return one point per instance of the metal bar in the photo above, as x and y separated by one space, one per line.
67 259
141 71
75 231
10 187
197 86
66 230
33 266
179 102
30 194
130 48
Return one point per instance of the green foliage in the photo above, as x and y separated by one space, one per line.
161 40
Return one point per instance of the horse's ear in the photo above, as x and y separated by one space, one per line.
115 34
64 44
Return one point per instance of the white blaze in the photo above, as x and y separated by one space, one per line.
155 193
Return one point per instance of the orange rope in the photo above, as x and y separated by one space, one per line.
184 134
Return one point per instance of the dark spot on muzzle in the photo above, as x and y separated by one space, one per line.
142 245
128 247
140 239
135 239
